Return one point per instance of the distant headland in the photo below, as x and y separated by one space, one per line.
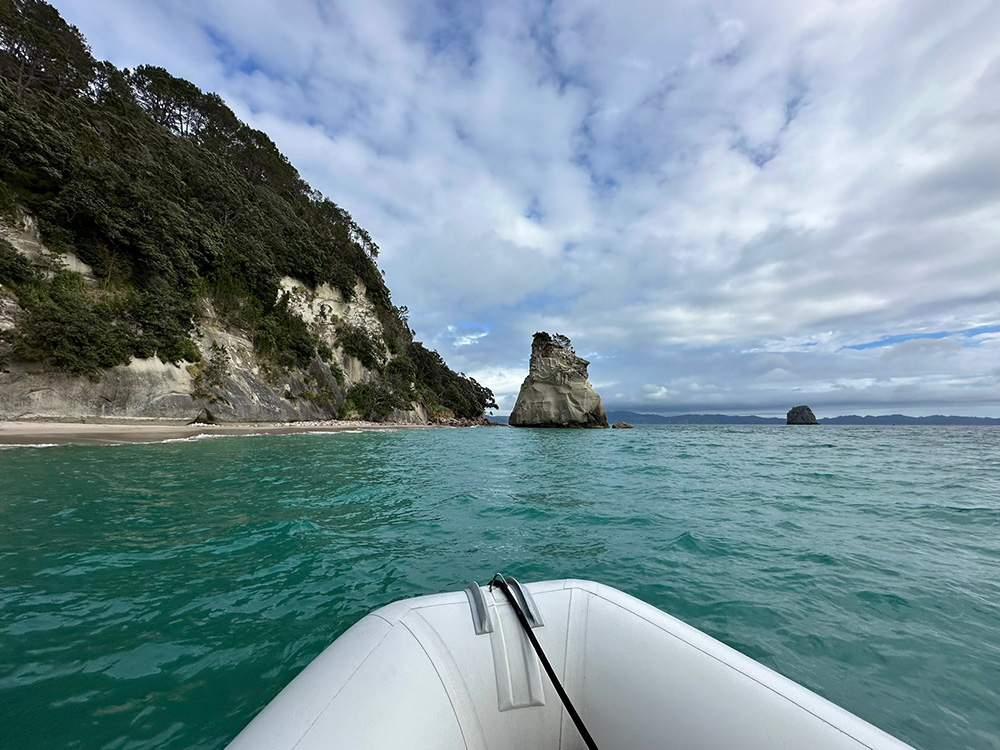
636 418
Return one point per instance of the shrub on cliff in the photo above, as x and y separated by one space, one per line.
14 267
371 401
81 331
357 343
67 329
442 387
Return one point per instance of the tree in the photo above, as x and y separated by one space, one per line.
171 102
40 50
564 342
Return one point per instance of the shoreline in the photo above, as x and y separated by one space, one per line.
118 432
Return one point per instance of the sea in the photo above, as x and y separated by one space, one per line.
159 595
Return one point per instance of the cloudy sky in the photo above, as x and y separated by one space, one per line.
728 206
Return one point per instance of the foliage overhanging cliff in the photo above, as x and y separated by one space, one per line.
175 204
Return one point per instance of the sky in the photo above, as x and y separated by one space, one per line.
729 207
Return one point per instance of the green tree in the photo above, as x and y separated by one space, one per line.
171 102
39 50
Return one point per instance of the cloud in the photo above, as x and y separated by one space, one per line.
735 207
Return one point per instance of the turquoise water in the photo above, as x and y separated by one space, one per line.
157 596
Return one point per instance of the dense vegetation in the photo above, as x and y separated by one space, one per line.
169 197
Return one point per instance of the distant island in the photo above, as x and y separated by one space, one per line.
850 419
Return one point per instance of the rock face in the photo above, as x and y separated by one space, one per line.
556 392
801 415
231 384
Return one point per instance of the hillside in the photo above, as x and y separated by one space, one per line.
160 258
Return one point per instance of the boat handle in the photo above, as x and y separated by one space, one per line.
481 619
528 605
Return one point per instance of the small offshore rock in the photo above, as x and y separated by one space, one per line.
801 415
556 392
621 426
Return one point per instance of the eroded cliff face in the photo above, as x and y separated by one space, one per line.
556 392
232 383
23 234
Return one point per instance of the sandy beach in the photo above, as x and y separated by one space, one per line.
113 432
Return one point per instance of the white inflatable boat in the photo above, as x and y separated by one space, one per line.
458 670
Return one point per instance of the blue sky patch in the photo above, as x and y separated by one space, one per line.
901 337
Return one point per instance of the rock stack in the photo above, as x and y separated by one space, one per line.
556 392
801 415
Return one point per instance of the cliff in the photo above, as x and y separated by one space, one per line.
556 392
160 258
230 381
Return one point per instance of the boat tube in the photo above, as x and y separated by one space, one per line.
458 671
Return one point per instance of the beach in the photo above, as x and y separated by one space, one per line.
114 432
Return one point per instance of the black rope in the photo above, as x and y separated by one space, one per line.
501 583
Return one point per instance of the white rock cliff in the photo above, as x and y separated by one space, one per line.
556 392
230 384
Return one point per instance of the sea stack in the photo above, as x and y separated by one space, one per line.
556 392
801 415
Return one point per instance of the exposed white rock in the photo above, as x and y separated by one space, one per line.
25 238
556 392
10 311
10 314
142 388
416 415
325 307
